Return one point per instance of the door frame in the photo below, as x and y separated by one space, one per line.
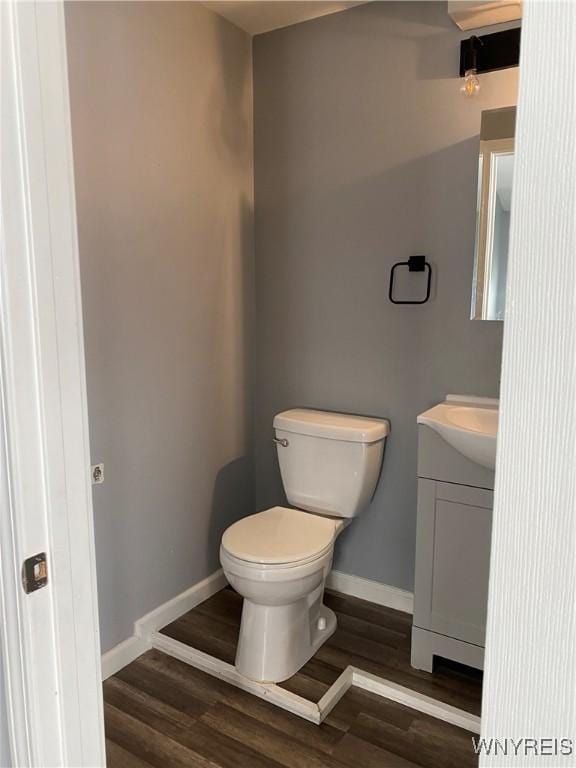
490 150
49 638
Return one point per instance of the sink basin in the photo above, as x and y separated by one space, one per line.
469 424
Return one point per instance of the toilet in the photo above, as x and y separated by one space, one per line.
278 559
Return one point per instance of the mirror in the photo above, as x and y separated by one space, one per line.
495 172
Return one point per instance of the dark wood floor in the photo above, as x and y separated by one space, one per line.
161 712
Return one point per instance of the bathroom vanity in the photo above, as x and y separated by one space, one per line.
455 496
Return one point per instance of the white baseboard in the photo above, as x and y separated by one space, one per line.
122 654
179 605
373 591
129 649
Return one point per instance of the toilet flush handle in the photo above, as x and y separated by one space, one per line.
280 441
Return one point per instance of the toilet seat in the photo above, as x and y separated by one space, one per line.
280 537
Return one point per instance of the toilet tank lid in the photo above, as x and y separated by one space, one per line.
332 426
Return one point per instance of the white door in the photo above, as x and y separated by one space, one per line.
49 637
530 667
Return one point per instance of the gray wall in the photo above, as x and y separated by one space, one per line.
366 153
161 97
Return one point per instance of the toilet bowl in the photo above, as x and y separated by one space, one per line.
278 559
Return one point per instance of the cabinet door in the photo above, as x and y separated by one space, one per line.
461 563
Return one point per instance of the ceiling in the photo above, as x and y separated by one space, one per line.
264 15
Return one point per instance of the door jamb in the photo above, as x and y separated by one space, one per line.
49 639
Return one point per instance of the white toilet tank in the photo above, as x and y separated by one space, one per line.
330 462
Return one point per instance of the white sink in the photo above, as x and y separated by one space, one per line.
469 424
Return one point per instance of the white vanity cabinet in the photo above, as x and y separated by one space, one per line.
452 554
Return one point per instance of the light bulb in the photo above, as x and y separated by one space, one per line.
471 84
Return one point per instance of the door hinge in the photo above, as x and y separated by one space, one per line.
34 573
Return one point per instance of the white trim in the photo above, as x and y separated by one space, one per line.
489 151
493 402
224 671
123 654
128 650
49 639
316 712
415 700
335 693
179 605
373 591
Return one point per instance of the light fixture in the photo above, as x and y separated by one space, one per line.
487 53
471 83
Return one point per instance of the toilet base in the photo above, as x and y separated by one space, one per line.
277 640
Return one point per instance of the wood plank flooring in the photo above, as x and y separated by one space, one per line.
161 712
